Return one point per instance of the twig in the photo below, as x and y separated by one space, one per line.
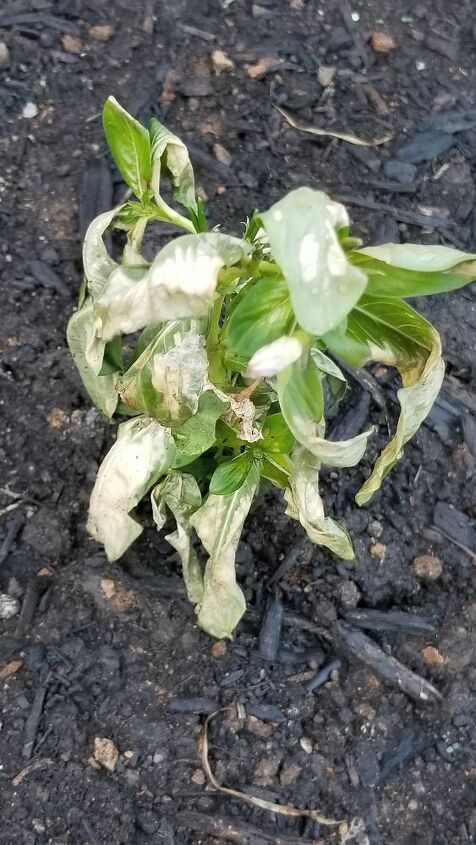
42 763
289 561
323 675
349 24
11 535
34 590
281 809
270 633
412 217
31 724
244 833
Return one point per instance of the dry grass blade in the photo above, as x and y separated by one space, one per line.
328 133
282 809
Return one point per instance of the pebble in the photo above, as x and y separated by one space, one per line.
4 55
105 753
71 44
9 606
221 62
432 656
378 550
381 42
349 595
306 744
427 568
102 32
29 111
218 649
400 171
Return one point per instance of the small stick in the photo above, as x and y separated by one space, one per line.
31 724
323 676
243 833
289 561
11 535
34 590
42 763
270 633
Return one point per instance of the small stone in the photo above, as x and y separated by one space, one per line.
10 669
289 773
218 648
258 728
198 777
221 62
9 606
105 753
306 744
432 656
381 42
375 529
4 55
266 770
427 568
222 155
29 111
325 75
378 550
102 32
57 419
71 44
349 595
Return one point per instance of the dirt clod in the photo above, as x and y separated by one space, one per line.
432 656
427 568
105 753
101 32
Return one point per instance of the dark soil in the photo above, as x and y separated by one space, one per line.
133 668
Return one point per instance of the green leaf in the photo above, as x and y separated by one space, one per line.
391 332
230 475
276 435
335 377
263 314
323 285
98 264
101 388
402 270
219 523
302 402
129 143
142 453
197 434
179 284
180 493
170 157
305 504
167 380
277 469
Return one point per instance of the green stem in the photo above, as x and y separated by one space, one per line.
165 212
216 370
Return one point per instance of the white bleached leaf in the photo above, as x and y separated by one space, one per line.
169 152
416 397
305 504
323 285
180 283
142 453
219 523
180 375
424 257
80 335
241 415
181 494
98 264
274 357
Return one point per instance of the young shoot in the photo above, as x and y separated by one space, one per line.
238 342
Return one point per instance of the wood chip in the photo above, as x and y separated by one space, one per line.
10 669
105 753
102 32
263 66
328 133
221 62
381 42
222 155
281 809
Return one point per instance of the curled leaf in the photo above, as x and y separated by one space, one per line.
274 357
197 434
142 453
101 388
98 264
179 284
181 494
219 523
402 270
323 284
305 504
170 156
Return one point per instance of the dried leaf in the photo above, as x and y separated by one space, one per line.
328 133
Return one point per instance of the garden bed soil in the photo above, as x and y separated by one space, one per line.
112 653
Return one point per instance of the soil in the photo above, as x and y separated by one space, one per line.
112 652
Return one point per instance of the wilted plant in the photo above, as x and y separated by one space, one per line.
238 349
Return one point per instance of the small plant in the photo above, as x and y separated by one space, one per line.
236 354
